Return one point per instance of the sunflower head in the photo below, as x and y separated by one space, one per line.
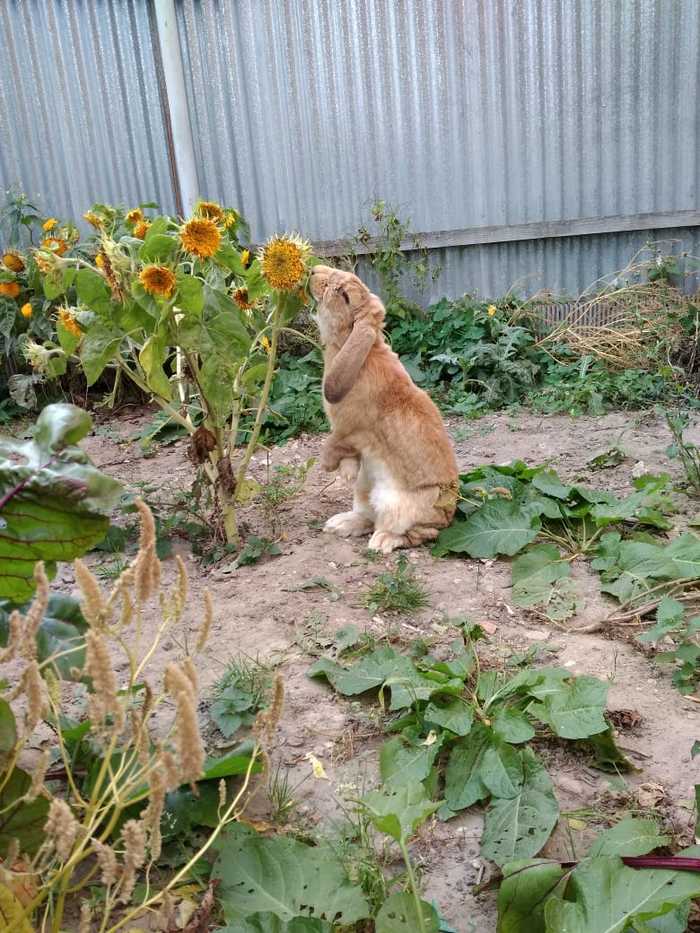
55 245
200 237
135 216
210 210
141 229
158 280
230 219
93 219
49 224
283 261
13 261
26 310
240 296
10 289
67 320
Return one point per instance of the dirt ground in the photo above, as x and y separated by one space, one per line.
261 611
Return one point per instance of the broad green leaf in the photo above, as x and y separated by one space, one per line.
21 820
629 837
454 714
269 923
93 290
519 826
541 578
152 356
607 756
185 809
398 914
399 810
463 783
57 510
216 378
157 248
98 347
190 294
66 338
549 483
284 877
512 725
53 283
8 728
402 763
522 895
232 709
501 769
235 762
574 709
368 673
500 526
630 895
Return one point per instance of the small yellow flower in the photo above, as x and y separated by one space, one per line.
135 216
491 310
240 296
200 237
100 261
245 258
141 229
49 224
210 210
265 343
26 310
93 219
13 261
230 219
68 322
283 261
158 280
10 289
55 245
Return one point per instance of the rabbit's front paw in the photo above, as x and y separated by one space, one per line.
349 524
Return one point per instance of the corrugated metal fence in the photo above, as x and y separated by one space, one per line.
533 142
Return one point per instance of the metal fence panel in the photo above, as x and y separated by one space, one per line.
80 113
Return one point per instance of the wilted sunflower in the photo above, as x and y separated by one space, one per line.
10 289
13 261
230 219
240 296
141 229
93 219
49 224
68 322
158 280
26 310
210 210
54 244
283 260
200 237
135 216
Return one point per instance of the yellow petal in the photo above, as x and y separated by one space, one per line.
317 768
578 825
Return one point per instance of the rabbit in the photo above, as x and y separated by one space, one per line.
387 436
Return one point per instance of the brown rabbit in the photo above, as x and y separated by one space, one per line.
386 434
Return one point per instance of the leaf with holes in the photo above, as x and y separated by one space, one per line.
453 714
574 708
403 763
629 837
284 877
399 810
501 769
399 914
541 578
519 826
523 893
463 782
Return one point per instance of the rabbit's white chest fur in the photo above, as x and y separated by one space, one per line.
384 490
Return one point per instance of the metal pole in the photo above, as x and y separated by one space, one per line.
185 162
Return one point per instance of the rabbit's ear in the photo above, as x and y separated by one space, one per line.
347 365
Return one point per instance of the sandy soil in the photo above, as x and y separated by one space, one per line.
262 611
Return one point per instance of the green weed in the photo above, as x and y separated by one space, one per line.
398 590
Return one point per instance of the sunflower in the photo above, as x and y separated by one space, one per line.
245 258
141 229
68 322
491 310
200 237
209 210
230 219
135 216
54 244
49 224
45 261
240 296
158 280
10 289
283 260
13 261
93 219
